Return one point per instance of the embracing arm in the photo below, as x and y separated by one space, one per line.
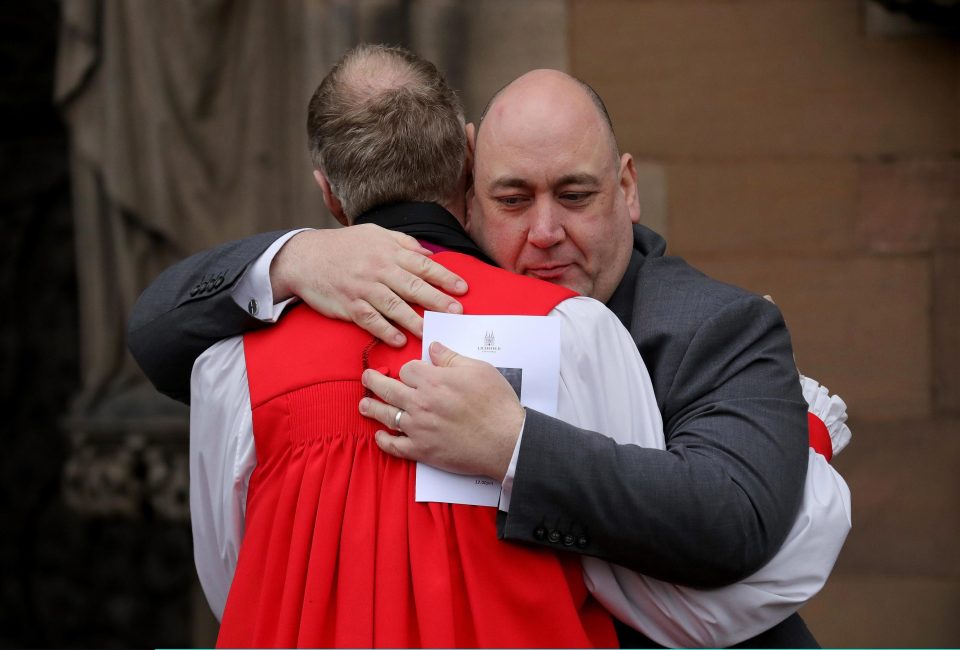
605 387
188 308
710 509
362 274
717 503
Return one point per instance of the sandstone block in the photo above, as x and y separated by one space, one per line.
903 204
861 326
906 498
695 78
878 611
763 206
946 332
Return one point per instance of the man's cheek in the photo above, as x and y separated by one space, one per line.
502 243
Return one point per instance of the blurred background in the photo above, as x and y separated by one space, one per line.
809 149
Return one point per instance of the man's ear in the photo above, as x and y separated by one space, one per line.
628 185
471 132
468 209
471 144
331 201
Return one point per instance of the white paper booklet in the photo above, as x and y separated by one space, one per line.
526 350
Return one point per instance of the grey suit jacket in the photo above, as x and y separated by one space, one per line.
716 505
711 509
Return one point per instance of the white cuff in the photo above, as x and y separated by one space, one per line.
506 487
253 292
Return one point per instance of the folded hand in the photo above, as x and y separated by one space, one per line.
459 415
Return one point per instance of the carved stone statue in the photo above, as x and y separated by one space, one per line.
186 121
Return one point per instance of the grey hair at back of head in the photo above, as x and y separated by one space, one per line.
384 126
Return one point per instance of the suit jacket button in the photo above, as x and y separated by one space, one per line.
195 291
252 307
568 540
216 285
540 533
582 541
554 536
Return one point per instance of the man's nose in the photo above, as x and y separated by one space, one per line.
546 227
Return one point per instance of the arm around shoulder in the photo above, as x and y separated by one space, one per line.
188 308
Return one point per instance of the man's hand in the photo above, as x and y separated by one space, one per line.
460 414
365 274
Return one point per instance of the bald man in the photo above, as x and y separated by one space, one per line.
554 199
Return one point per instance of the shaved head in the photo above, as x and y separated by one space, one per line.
552 198
545 75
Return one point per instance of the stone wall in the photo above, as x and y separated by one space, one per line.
66 579
809 150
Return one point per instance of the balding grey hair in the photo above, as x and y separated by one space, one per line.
384 126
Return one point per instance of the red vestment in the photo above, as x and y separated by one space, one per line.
337 553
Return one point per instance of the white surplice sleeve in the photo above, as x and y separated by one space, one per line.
605 387
222 458
604 384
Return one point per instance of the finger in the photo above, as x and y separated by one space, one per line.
390 306
411 373
382 413
416 290
389 390
434 273
444 357
367 317
411 243
397 446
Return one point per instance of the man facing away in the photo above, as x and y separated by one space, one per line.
335 550
694 437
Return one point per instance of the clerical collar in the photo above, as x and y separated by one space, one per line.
427 221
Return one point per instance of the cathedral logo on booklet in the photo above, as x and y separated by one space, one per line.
489 343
